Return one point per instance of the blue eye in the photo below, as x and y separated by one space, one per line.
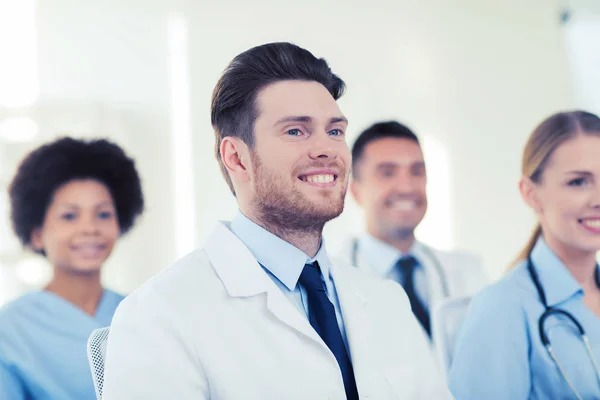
294 132
336 132
577 182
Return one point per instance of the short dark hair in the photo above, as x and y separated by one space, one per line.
50 166
233 107
379 130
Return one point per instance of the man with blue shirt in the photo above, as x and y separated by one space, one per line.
389 182
260 311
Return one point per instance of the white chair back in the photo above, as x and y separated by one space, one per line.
96 351
446 320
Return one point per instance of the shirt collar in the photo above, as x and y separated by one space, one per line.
381 256
557 282
280 258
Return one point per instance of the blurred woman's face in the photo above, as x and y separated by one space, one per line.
80 227
567 199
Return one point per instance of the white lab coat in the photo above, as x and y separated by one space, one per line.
215 326
463 273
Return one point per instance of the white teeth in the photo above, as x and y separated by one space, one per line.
320 178
88 246
404 205
595 223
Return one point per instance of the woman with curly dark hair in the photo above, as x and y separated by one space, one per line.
71 200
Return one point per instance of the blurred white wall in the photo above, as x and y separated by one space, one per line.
471 77
582 32
103 71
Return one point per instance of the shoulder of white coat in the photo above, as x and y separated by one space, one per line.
464 271
460 263
463 259
343 252
174 284
355 274
369 283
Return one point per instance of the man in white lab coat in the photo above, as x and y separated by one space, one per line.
389 182
260 311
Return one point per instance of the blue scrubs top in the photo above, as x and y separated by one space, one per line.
499 354
43 346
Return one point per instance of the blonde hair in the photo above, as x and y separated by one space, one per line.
544 140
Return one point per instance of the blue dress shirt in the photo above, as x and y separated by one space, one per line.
382 258
283 262
499 353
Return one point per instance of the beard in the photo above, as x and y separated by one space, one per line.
284 208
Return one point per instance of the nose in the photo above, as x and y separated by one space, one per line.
324 147
88 225
404 182
595 203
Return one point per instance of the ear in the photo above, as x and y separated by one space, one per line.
528 190
236 158
355 191
36 239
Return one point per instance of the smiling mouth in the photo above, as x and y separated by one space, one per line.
321 179
402 205
95 246
590 223
89 250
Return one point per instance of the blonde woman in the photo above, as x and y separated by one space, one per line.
526 337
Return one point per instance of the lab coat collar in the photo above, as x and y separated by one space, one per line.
281 258
242 276
235 265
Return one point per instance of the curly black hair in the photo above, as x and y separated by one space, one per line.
52 165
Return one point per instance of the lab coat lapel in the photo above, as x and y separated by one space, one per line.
428 259
242 276
353 303
284 310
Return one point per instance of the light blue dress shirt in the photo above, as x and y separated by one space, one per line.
382 258
43 347
499 353
283 262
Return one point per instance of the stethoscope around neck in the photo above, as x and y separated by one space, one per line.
427 250
549 311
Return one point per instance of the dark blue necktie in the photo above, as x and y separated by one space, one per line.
407 266
322 317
